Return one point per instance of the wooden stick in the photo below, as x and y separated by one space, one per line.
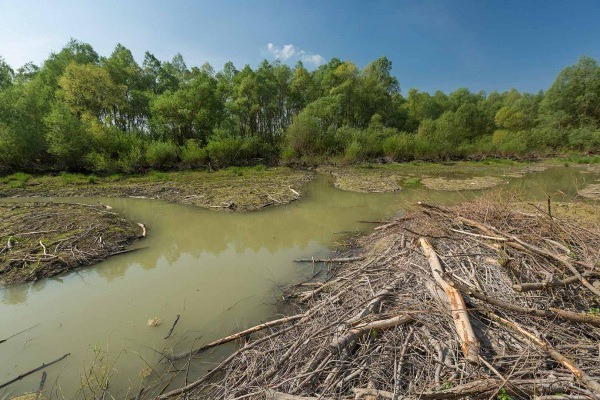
469 342
18 333
521 245
18 378
549 313
274 395
330 260
172 327
341 342
568 364
236 336
209 374
143 226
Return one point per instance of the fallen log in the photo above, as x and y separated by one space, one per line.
549 313
473 388
469 342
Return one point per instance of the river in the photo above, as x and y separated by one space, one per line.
221 272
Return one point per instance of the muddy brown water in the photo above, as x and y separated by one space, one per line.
221 272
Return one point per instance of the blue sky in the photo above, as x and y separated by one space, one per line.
489 45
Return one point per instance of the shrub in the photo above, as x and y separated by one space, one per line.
584 139
240 152
194 156
161 155
509 143
400 147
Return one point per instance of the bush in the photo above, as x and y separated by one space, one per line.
194 156
546 137
509 143
584 139
161 155
399 147
240 152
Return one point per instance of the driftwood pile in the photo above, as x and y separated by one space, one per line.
474 301
39 240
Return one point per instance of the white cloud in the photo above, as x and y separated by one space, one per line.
315 59
291 52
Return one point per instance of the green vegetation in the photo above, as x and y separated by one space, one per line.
232 188
80 112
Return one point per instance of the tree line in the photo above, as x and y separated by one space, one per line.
80 111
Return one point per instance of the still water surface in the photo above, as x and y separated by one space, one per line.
221 272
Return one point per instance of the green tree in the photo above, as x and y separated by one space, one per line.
573 100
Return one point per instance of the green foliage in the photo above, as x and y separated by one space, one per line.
400 147
239 152
82 112
584 139
16 180
503 395
194 156
161 155
77 179
509 144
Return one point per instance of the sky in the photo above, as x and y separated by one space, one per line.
433 45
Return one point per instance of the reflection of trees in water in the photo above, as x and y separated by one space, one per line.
15 294
175 229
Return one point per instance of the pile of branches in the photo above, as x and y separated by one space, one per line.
39 240
474 301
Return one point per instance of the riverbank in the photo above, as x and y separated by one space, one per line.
40 240
381 326
449 176
233 189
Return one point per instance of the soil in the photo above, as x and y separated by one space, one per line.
40 240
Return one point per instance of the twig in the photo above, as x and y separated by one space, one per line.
18 378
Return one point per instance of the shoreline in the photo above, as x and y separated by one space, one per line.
380 325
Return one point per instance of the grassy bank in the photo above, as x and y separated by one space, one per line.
40 240
241 189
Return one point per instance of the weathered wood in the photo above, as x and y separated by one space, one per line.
274 395
330 260
587 380
519 244
469 342
549 313
359 330
551 283
236 336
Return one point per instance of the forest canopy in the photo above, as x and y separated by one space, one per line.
85 112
